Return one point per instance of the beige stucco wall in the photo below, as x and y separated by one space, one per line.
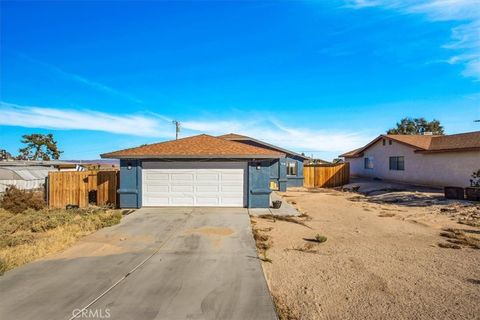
434 169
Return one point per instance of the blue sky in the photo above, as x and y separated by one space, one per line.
320 77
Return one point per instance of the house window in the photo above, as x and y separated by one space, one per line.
291 168
383 141
390 142
368 163
397 163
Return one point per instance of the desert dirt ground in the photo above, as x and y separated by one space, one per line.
382 259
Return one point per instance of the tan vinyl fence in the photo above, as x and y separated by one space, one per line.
78 187
326 175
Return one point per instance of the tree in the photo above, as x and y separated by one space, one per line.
5 155
417 126
39 147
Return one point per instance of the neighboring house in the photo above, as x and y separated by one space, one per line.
429 160
203 170
30 174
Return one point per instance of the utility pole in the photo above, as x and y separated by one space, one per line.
177 128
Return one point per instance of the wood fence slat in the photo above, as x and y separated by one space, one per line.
73 187
326 176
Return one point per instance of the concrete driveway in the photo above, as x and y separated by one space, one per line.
159 263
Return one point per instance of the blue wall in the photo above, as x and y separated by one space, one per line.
259 184
130 191
296 181
278 173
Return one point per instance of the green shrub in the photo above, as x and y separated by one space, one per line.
17 201
320 238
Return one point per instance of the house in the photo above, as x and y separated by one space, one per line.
203 170
431 160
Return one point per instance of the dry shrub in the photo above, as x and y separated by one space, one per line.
17 201
34 234
449 245
458 237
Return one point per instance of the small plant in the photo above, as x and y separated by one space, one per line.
17 201
265 258
320 239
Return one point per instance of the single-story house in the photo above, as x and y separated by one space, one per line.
430 160
203 170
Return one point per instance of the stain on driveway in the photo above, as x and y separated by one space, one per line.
159 263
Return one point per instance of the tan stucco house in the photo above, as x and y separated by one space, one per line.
430 160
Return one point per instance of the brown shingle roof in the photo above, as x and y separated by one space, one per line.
239 137
201 146
428 144
455 142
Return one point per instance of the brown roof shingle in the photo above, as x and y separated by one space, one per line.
428 144
201 146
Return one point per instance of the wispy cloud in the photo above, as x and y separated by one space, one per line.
64 119
310 141
465 37
82 80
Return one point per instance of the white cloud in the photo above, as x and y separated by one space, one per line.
310 141
465 37
64 119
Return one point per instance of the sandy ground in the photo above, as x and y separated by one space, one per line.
381 259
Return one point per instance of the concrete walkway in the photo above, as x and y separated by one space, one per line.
159 263
285 210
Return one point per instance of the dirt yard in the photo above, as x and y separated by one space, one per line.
382 258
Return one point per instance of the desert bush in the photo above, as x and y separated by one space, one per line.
17 201
319 238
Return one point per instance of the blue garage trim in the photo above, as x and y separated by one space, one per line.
258 184
130 191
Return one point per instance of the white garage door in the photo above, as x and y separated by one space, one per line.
193 187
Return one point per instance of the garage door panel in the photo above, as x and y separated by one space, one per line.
182 176
155 188
181 188
182 201
207 188
193 187
157 176
208 176
207 201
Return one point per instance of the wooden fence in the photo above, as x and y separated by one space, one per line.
82 187
326 175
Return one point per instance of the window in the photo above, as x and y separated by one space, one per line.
390 142
397 163
291 168
368 163
383 141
